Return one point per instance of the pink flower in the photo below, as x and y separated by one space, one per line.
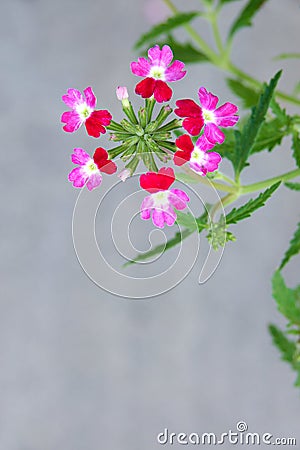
207 115
162 200
200 160
89 168
157 70
83 111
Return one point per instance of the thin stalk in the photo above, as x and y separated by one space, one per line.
267 183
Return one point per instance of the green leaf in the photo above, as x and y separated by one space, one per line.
287 56
227 149
288 300
296 148
245 211
270 136
248 95
293 186
293 249
185 52
186 220
285 345
221 2
245 17
165 27
246 138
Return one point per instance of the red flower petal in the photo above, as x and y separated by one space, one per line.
161 181
145 88
188 108
193 125
162 92
186 146
103 163
96 122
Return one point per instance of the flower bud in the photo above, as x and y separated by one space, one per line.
124 174
122 93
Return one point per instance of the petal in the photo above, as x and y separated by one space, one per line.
228 109
78 177
185 143
73 98
80 157
213 160
145 88
161 57
96 122
178 198
169 216
175 71
72 120
187 108
207 99
204 144
90 97
94 180
146 206
158 218
226 121
161 181
140 68
193 125
162 92
180 158
214 134
198 168
103 163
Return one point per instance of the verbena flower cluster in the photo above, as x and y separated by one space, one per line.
144 138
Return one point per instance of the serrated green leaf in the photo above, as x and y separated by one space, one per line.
186 220
185 52
245 211
286 346
293 186
296 148
293 249
165 27
244 19
246 138
270 136
287 56
248 95
288 300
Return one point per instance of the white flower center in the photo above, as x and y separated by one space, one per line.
208 116
198 156
84 111
91 167
158 73
160 199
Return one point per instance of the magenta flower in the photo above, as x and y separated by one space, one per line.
157 70
207 115
200 160
83 111
162 200
89 168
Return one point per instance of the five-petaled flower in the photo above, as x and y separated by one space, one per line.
89 168
157 70
83 111
207 115
200 160
162 200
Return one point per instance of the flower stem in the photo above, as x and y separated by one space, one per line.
267 183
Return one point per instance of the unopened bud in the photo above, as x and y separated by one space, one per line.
124 174
122 93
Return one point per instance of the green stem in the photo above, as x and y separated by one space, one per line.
267 183
213 18
219 186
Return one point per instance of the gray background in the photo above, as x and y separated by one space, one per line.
80 368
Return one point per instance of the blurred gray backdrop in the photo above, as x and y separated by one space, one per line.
80 368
